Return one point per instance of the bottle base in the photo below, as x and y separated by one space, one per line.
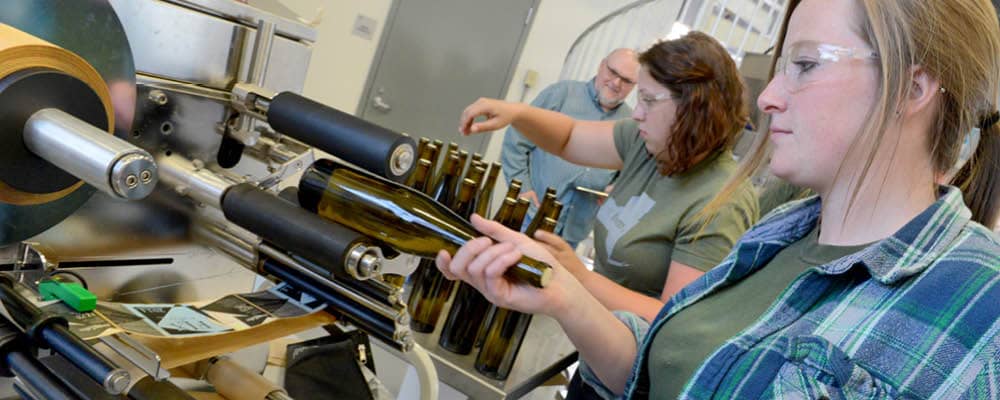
421 327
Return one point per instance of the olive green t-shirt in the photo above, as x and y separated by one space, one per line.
688 338
650 219
776 192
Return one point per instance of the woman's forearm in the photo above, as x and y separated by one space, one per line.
605 343
547 129
616 297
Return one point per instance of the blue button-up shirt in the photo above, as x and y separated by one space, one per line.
916 315
538 169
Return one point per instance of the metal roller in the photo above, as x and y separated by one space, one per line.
17 360
192 179
49 331
110 164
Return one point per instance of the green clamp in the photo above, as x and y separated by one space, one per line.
71 293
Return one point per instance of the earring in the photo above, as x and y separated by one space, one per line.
943 90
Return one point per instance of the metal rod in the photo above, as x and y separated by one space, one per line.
290 268
380 326
261 52
42 329
94 364
293 264
37 378
229 243
106 162
190 179
23 391
372 288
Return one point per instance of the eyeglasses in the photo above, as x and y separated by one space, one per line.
804 61
648 101
616 75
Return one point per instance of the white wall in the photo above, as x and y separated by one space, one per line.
340 60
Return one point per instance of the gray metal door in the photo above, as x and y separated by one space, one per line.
436 57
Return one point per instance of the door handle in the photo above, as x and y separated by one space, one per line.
379 104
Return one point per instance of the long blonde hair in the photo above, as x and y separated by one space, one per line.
955 41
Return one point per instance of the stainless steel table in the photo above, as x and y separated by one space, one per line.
546 351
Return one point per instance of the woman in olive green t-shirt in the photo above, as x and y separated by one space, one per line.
674 156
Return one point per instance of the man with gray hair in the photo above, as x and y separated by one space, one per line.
601 98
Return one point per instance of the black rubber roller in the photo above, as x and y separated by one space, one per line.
292 228
352 139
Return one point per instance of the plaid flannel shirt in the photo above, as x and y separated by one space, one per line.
916 315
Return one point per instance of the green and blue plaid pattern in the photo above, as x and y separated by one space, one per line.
916 315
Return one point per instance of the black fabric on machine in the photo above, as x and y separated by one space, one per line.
328 367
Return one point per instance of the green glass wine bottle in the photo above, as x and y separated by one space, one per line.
520 211
465 318
513 189
469 309
555 211
505 211
505 329
485 197
420 174
421 154
547 200
418 181
407 220
431 290
463 155
476 174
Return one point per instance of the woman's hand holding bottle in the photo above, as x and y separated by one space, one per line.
562 252
482 262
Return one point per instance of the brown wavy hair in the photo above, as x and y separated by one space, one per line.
711 102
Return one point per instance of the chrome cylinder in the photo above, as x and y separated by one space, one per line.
364 262
104 161
191 179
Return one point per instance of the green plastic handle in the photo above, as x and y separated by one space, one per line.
70 293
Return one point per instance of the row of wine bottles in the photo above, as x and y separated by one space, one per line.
472 322
408 220
427 214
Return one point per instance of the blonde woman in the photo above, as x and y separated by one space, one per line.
882 286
